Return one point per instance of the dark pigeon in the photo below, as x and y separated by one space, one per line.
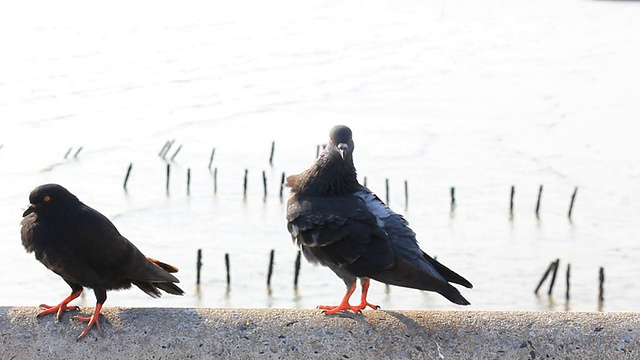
86 250
343 225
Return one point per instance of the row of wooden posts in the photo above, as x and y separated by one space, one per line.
227 263
168 144
553 271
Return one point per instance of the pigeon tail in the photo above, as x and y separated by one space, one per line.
408 275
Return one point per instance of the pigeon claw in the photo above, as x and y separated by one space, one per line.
364 305
330 310
92 320
60 308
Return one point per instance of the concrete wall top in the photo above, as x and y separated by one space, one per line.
168 333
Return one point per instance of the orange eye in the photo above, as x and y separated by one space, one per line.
47 198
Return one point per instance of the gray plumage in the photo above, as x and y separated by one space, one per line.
341 224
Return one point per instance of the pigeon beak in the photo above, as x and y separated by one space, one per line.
343 149
30 209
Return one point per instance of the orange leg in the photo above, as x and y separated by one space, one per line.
363 298
344 305
62 307
93 319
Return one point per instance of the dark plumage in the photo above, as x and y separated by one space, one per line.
341 224
86 250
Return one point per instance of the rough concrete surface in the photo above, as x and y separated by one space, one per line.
186 333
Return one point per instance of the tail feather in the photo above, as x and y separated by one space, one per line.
408 275
447 273
151 289
164 266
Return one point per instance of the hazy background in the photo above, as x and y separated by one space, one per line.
478 95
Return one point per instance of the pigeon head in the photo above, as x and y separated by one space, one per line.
49 197
340 136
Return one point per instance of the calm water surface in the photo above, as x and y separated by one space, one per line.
478 96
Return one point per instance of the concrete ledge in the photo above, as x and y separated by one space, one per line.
159 333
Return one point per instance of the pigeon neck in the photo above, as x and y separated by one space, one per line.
330 175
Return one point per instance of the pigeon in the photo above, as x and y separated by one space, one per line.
341 224
86 250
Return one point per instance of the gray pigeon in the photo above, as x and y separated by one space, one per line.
343 225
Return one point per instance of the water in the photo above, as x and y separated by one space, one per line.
480 96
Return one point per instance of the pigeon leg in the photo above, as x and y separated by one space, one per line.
101 297
363 300
344 305
62 307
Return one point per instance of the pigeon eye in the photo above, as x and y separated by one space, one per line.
47 198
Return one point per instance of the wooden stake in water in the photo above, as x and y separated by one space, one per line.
226 264
513 192
601 285
168 175
538 203
296 272
164 147
566 296
273 147
213 152
176 153
198 266
126 177
167 148
215 180
386 186
246 173
270 267
544 277
573 198
77 152
264 183
188 181
406 195
282 185
553 276
453 197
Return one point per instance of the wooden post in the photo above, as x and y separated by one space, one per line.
386 185
77 152
215 180
553 276
296 270
246 173
213 152
601 285
568 282
282 185
544 277
273 147
264 183
168 175
270 267
513 192
126 178
538 202
573 198
198 266
227 265
453 197
406 195
176 153
188 181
